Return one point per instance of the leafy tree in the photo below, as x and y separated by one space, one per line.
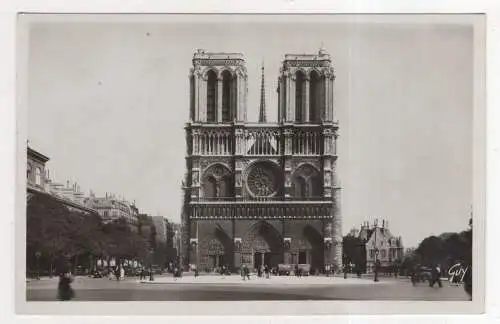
431 250
354 251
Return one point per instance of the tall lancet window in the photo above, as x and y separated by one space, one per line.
315 90
38 176
226 96
192 98
211 97
299 96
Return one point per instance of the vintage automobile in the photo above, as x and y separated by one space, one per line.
285 269
421 274
305 269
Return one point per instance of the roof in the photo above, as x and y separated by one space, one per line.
201 54
37 155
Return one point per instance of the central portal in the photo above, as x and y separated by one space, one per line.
262 246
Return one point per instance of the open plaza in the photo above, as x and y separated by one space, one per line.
233 288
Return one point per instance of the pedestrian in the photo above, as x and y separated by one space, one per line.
436 276
246 272
266 270
122 273
64 289
259 271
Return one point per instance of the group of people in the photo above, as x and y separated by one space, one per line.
263 269
117 273
434 277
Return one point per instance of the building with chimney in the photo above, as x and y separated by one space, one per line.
260 193
38 182
111 208
380 244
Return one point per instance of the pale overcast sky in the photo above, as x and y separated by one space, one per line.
107 103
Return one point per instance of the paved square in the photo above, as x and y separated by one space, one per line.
232 288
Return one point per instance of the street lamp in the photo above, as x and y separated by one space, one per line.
38 255
376 266
151 265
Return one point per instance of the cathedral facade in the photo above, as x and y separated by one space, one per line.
261 193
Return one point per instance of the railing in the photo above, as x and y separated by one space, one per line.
256 199
247 210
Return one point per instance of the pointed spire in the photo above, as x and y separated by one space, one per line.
262 111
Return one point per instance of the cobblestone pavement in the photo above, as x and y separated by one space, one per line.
234 288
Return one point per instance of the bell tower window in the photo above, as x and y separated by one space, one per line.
299 97
226 96
211 97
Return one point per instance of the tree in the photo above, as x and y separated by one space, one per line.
354 251
431 250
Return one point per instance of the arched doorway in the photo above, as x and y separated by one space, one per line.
315 251
262 245
216 253
217 250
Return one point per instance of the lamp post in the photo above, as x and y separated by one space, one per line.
375 278
38 255
151 265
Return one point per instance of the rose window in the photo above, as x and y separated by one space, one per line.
262 179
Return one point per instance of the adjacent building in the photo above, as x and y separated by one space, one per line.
160 224
380 245
38 182
258 192
112 208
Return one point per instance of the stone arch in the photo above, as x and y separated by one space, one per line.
217 181
306 182
224 70
216 250
319 72
315 247
211 96
262 240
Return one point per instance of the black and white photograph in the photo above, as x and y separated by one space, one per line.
250 158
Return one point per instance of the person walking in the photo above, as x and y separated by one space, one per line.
436 276
266 271
122 273
64 289
246 272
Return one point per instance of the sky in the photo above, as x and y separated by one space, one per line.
107 102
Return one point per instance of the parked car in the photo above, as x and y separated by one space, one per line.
305 269
284 269
422 274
